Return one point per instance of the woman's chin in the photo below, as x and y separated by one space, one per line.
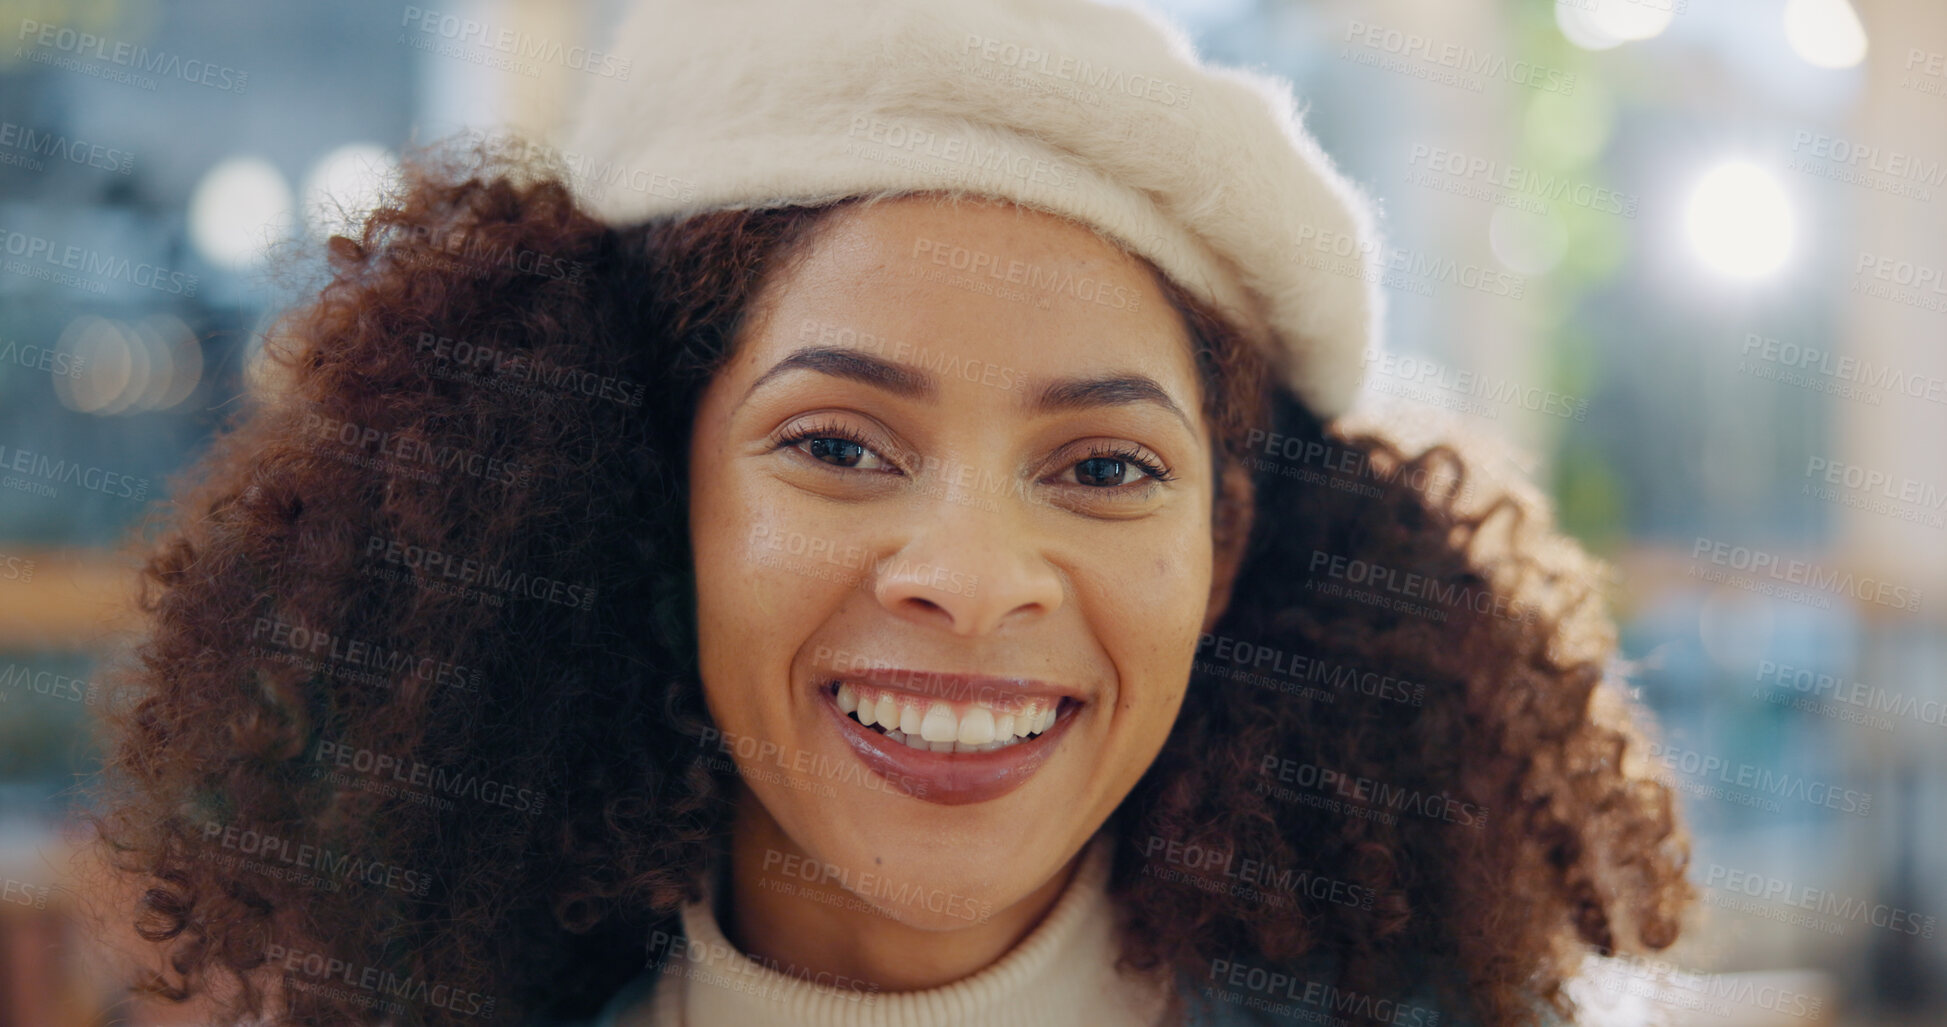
916 881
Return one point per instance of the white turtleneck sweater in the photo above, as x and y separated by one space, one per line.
1063 972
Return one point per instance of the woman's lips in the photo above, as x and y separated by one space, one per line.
949 778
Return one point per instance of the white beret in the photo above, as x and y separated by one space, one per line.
1102 114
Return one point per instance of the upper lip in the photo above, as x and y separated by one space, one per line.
950 687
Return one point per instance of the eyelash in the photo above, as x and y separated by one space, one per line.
1156 472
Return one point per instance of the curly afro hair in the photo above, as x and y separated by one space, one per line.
419 735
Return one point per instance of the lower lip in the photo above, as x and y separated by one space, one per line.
948 778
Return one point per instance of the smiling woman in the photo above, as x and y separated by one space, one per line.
918 606
1050 587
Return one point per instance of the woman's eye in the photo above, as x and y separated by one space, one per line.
843 452
1104 470
1116 469
837 449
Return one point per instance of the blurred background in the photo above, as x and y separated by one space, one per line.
1687 258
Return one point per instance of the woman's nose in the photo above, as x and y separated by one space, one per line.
970 565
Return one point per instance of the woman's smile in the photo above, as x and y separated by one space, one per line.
944 738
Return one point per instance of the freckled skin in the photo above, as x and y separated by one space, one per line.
1104 589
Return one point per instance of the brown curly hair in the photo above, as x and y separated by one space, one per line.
494 381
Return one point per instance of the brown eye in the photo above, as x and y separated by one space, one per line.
836 446
1111 469
842 452
1101 470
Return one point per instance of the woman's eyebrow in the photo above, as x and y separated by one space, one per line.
1061 394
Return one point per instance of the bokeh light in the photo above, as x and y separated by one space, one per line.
1739 220
239 210
344 186
1826 33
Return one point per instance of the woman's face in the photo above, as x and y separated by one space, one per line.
956 476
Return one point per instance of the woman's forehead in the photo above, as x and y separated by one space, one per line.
981 281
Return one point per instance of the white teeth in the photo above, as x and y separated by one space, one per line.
1025 721
977 727
940 724
936 728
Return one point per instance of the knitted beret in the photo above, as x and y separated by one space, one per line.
1101 114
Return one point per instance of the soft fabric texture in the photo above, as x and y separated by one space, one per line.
1104 114
1062 973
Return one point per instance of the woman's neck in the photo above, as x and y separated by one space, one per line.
797 933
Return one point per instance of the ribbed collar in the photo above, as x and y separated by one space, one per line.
1062 972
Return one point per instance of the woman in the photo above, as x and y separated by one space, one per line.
877 585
